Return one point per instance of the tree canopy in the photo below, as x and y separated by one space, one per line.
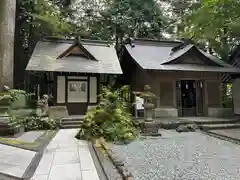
44 16
215 23
114 19
212 23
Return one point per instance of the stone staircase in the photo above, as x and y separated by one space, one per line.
204 123
7 128
71 122
219 124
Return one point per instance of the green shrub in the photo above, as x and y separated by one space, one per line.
34 123
19 98
5 99
38 123
21 113
31 103
15 98
20 102
110 119
17 103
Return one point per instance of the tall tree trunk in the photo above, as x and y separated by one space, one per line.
7 29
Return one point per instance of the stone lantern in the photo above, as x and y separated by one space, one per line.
148 104
149 126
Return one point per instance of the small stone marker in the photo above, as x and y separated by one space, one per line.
42 106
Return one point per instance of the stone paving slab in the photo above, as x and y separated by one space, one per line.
74 117
209 119
193 119
177 156
66 158
231 133
30 136
66 171
14 161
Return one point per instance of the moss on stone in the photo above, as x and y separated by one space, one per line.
35 146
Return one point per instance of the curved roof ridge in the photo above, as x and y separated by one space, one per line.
158 40
178 53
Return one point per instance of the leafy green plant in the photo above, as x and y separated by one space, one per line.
5 98
110 119
32 122
38 123
11 96
21 116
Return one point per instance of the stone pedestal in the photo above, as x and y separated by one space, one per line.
148 112
150 127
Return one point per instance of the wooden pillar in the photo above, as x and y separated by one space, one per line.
88 89
66 89
158 95
174 94
205 98
221 94
98 88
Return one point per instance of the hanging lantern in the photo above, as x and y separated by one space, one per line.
179 85
201 85
186 86
194 85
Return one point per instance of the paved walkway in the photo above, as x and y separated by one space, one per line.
66 158
14 161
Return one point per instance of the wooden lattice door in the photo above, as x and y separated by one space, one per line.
200 98
179 98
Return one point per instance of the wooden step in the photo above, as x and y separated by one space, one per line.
219 126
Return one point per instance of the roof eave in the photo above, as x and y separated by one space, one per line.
65 71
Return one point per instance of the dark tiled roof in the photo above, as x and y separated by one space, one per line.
158 55
198 67
234 60
148 54
46 52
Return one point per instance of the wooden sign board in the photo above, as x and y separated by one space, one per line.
139 103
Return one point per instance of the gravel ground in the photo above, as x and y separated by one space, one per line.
181 156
